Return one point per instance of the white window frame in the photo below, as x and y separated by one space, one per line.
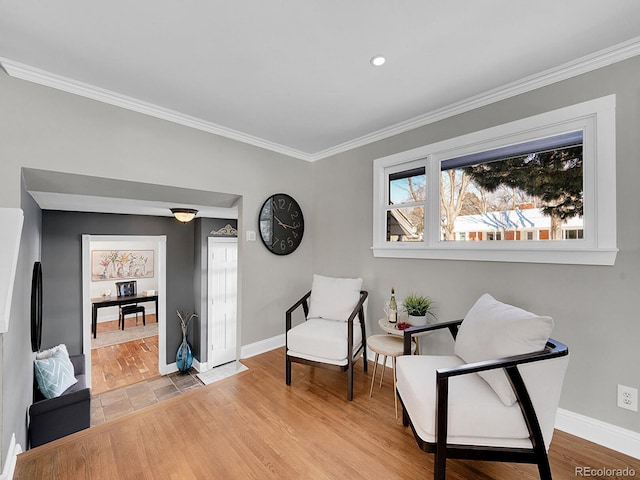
596 118
387 194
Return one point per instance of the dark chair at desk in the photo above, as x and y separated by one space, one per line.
126 289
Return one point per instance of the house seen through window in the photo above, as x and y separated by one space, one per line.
530 191
407 195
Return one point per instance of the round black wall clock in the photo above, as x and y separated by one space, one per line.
281 224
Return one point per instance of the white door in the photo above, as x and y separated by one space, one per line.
223 288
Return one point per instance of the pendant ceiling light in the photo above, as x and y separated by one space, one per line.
184 215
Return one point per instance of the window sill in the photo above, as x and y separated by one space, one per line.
600 256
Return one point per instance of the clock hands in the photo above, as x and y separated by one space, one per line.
283 225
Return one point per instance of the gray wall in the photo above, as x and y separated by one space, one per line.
594 307
62 270
17 357
51 130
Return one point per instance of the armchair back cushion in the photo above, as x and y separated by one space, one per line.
492 329
333 298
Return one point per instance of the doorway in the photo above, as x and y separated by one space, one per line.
223 300
157 244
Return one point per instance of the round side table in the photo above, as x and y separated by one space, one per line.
388 346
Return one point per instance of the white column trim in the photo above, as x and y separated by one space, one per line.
12 458
161 314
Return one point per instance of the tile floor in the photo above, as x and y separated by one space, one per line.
116 403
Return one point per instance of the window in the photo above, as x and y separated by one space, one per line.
405 206
536 185
541 189
573 233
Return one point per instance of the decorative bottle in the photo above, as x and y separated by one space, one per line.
393 307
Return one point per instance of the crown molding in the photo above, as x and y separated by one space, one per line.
603 58
568 70
69 85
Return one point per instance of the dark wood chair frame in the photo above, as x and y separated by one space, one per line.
537 454
125 289
352 355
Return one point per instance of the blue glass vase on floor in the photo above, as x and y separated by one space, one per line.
184 356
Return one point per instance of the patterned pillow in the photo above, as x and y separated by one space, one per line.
54 374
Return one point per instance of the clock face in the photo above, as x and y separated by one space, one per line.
281 224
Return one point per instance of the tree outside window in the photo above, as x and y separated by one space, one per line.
496 191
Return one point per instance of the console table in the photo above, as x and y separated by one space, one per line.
102 302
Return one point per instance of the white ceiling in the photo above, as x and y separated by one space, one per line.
294 76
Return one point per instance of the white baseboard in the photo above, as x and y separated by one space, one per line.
12 458
262 346
610 436
245 352
200 367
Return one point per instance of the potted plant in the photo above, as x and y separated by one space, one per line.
418 307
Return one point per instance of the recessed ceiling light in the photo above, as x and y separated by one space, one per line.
378 60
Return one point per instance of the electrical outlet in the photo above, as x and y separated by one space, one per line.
628 398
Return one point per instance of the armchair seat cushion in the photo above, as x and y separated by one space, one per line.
498 425
322 340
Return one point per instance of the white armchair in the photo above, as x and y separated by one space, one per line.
496 398
333 334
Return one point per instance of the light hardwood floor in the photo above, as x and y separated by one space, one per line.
252 426
124 364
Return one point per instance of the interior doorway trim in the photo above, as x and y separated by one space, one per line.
161 314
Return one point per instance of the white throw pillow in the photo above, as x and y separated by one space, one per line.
334 298
491 330
44 354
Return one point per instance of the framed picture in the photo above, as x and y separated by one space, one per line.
121 264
